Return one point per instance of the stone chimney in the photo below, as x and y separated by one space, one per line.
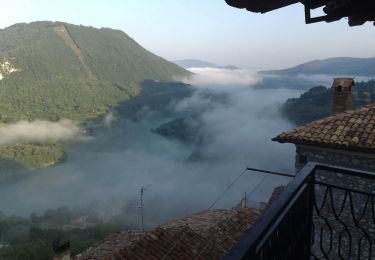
61 248
342 94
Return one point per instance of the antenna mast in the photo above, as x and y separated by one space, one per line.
143 189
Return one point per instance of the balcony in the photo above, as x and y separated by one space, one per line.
325 212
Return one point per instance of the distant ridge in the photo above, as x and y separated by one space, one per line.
332 66
193 63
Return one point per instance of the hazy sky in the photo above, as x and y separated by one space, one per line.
209 30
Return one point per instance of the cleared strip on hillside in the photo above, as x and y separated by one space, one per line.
65 36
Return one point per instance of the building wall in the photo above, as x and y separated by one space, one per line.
355 160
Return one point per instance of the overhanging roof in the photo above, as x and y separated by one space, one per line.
357 11
351 130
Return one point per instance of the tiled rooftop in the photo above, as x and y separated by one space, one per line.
202 221
208 234
111 243
351 130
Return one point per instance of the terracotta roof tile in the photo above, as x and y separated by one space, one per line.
208 234
354 130
109 245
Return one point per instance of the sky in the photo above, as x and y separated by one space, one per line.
208 30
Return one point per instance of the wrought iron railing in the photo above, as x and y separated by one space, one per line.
325 212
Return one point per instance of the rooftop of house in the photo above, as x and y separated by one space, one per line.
209 234
201 222
350 130
111 244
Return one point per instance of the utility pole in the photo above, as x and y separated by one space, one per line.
143 189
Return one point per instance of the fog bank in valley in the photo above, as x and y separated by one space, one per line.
206 77
38 131
104 173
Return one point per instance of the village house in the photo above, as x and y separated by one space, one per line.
346 139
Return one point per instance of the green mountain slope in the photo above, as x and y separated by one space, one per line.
54 70
332 66
317 102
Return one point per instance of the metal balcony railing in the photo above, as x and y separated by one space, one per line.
325 212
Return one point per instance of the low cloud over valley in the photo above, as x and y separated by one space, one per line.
38 131
108 170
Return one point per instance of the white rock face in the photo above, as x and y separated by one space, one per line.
6 68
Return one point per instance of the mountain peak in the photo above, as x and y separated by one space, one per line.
331 66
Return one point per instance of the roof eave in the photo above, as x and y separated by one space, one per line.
322 145
260 6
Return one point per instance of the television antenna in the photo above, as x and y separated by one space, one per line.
143 189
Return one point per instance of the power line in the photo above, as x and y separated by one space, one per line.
228 188
220 196
250 194
212 205
242 173
255 188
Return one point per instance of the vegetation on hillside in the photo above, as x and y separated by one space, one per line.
34 155
51 82
68 71
31 238
157 97
184 129
188 125
317 102
331 66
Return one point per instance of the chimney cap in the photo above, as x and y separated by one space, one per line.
343 82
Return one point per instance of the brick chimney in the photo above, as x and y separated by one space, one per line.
61 248
342 94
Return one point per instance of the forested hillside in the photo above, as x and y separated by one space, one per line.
55 70
67 71
31 238
316 103
331 66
